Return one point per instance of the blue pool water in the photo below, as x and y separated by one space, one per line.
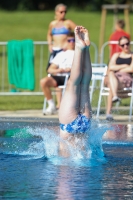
31 167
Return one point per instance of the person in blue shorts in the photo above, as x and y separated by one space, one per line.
75 109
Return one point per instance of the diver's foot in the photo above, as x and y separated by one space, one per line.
81 37
86 37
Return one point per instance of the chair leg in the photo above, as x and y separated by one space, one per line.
99 105
131 107
117 104
105 100
44 104
131 104
92 89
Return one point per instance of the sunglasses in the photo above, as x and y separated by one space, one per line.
122 45
71 40
63 11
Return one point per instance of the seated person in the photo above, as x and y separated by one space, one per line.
116 35
119 73
60 66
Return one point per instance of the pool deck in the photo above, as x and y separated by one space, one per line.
36 115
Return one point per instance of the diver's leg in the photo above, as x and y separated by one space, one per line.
69 107
70 104
85 106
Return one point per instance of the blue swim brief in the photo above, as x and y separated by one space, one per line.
80 125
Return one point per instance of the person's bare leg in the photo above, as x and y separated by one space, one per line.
69 107
85 106
109 103
58 96
46 83
113 83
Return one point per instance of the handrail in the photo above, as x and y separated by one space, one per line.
34 42
40 67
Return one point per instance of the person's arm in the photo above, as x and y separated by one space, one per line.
67 69
129 68
53 69
72 25
113 66
49 37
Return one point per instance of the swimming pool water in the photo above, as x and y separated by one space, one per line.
31 168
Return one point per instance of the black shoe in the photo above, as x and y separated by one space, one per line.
109 118
116 99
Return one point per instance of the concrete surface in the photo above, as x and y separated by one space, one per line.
36 115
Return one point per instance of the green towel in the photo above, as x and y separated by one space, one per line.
21 64
23 133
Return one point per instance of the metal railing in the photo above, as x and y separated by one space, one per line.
41 54
39 68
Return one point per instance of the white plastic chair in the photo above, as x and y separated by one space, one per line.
124 93
63 87
97 75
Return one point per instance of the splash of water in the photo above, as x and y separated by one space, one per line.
44 142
